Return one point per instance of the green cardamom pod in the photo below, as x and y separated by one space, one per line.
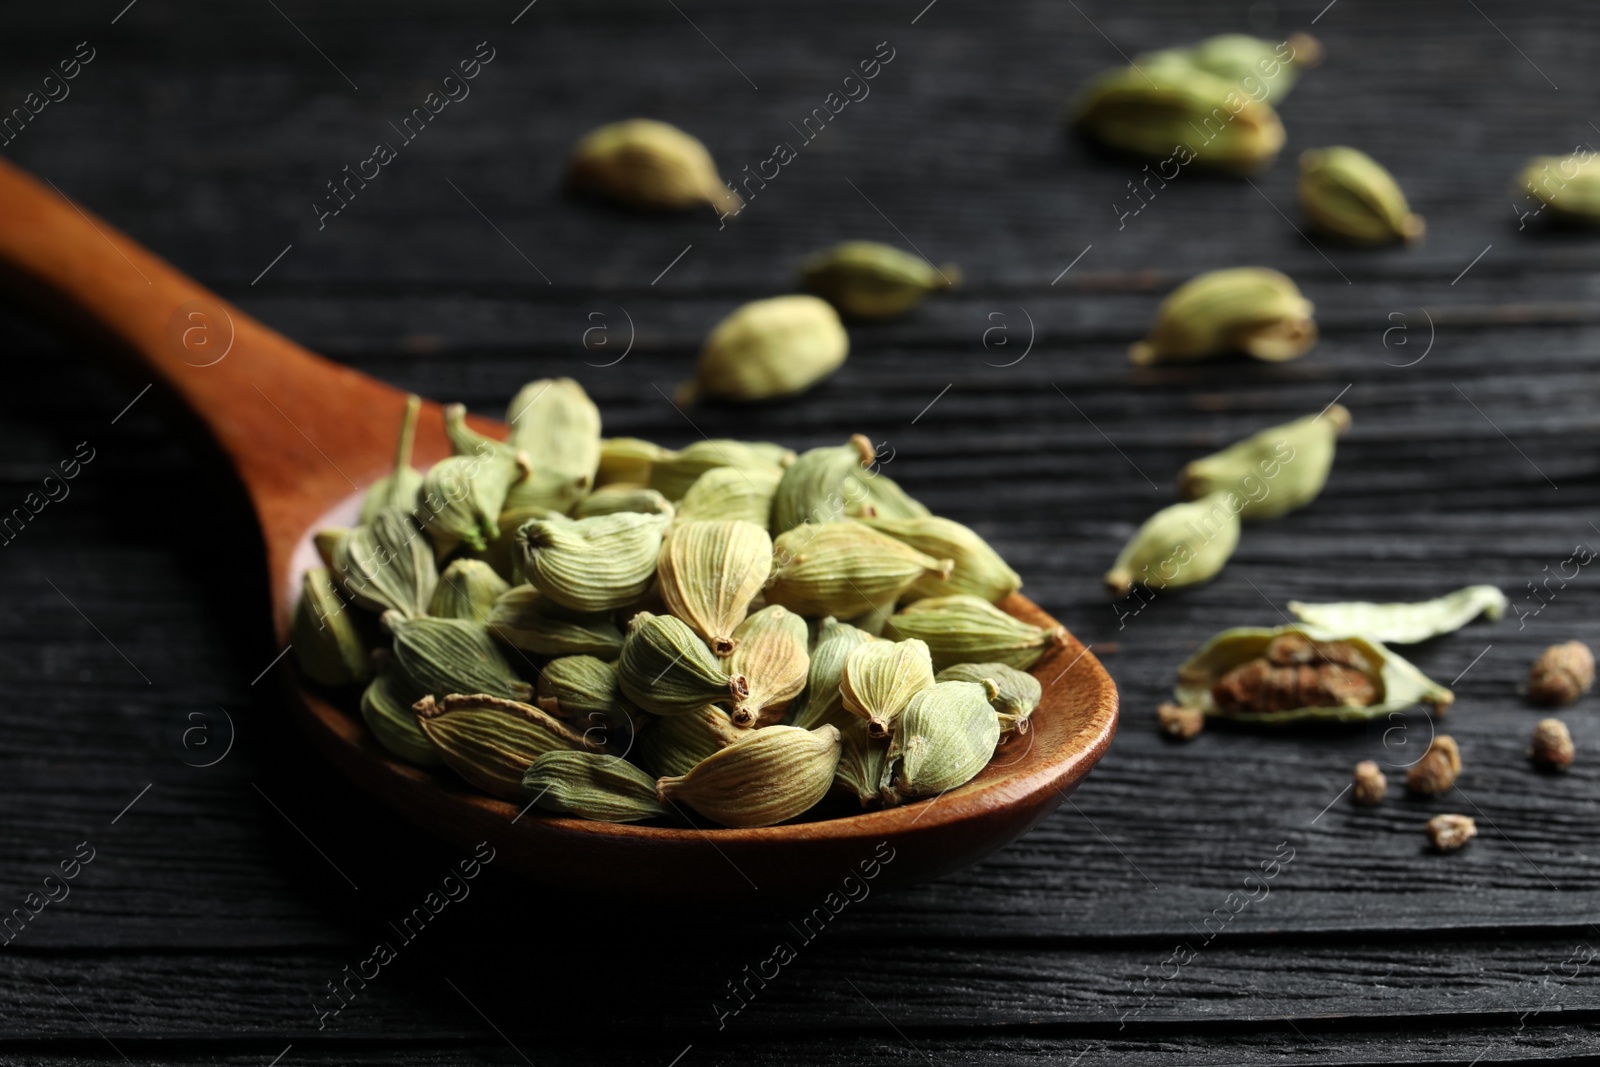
880 679
673 744
709 572
445 656
889 501
591 785
504 554
1015 696
868 280
614 499
979 570
864 769
771 776
1272 472
592 565
387 565
769 652
1184 544
492 742
555 424
398 488
326 542
1179 113
1348 195
1568 185
386 708
844 569
1252 310
524 618
946 735
665 668
1260 68
723 494
672 476
1406 624
769 348
825 485
578 686
467 589
628 459
822 702
462 498
969 629
327 643
650 165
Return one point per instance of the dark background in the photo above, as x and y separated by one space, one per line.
220 904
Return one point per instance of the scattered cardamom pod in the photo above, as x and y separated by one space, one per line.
1184 544
1253 64
1346 194
822 702
1273 472
1449 832
880 679
769 348
1180 723
665 668
969 629
467 589
1406 624
673 475
708 574
621 497
492 742
398 488
592 565
723 494
444 656
1438 768
868 280
771 776
628 460
591 785
326 641
386 708
1016 693
1568 185
1552 745
650 165
1561 674
1177 108
978 570
526 619
387 565
555 424
769 652
1252 310
945 736
1368 785
844 569
674 744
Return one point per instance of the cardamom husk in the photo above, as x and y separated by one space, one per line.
665 668
1406 624
769 652
467 589
1347 194
1561 674
491 742
628 459
1568 185
444 656
880 679
672 476
1272 472
769 348
1153 113
622 497
969 629
979 570
650 165
772 775
398 488
1016 693
1252 310
674 744
591 785
1438 768
822 702
1192 541
592 565
945 736
524 618
387 565
386 708
555 424
844 569
868 280
723 494
709 572
327 643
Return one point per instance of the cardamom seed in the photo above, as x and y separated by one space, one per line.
665 668
1449 832
398 488
1346 194
492 742
844 569
1368 785
1572 192
822 702
726 493
326 641
592 565
674 744
1272 472
672 476
1125 110
525 619
467 589
386 709
628 459
772 775
555 424
868 280
945 736
769 652
1016 693
769 348
1552 745
1294 671
650 165
1438 768
1252 310
880 679
444 656
1406 624
969 629
1180 723
621 497
1561 674
978 570
387 565
708 574
1184 544
592 786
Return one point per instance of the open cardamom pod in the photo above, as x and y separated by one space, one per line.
822 702
1184 544
491 742
844 569
444 656
979 570
709 572
591 785
592 565
772 775
880 679
1253 310
1272 472
386 708
665 668
969 629
398 488
673 744
650 165
673 475
1405 624
387 565
467 589
869 280
946 735
1015 696
723 494
326 641
769 652
769 348
1348 195
524 618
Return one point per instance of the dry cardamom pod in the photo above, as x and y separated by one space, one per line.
387 565
1561 674
523 618
326 542
672 476
1272 472
1016 693
1177 108
467 589
769 348
621 497
650 165
573 688
868 280
969 629
822 702
709 572
769 652
673 744
1438 768
979 570
444 656
491 742
592 565
844 569
1405 624
628 459
945 736
864 770
504 554
772 775
555 424
1347 194
1449 832
592 786
386 709
665 668
1184 544
825 485
326 641
1252 310
398 488
722 494
1259 67
1368 785
880 679
1552 745
1568 185
461 500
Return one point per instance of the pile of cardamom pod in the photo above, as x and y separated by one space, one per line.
615 630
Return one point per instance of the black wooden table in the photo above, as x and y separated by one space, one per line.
234 879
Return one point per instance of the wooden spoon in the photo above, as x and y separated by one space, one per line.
306 436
